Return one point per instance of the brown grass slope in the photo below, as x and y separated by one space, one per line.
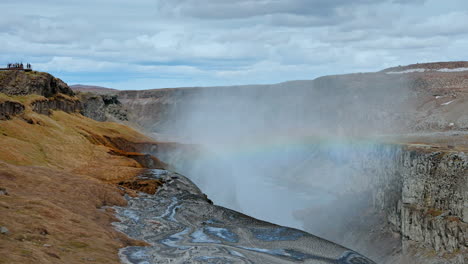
59 171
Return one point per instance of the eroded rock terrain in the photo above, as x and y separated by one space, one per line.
183 226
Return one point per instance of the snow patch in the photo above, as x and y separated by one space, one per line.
447 103
429 70
409 71
453 70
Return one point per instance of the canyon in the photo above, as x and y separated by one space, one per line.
65 178
375 162
407 188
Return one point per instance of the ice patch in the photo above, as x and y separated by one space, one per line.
235 253
447 103
428 70
453 70
409 71
213 221
173 241
131 214
134 255
173 213
158 173
170 211
222 233
200 237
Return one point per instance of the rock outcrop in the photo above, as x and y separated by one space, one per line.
411 199
58 102
8 109
40 91
25 83
425 198
181 225
105 107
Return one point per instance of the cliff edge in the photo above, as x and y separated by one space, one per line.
58 172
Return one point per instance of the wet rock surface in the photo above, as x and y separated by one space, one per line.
182 226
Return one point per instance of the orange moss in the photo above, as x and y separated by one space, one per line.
453 219
59 170
143 185
434 212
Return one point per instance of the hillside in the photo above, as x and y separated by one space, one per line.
93 89
57 171
393 143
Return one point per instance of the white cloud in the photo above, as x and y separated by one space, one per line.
214 42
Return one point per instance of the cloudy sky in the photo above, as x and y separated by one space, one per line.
142 44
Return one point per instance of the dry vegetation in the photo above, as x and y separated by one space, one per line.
58 179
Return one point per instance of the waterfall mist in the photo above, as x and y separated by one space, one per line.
292 153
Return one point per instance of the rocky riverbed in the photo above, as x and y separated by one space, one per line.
181 225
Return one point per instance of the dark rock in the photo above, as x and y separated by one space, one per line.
4 230
25 83
61 103
103 107
3 191
8 109
180 226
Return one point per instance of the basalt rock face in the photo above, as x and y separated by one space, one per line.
434 200
430 208
105 107
25 83
68 105
53 93
419 195
413 201
8 109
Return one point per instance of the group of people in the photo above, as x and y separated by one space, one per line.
18 65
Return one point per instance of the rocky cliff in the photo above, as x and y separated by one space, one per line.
58 102
58 170
423 193
413 194
413 101
8 109
104 107
62 177
47 93
36 91
25 83
409 205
